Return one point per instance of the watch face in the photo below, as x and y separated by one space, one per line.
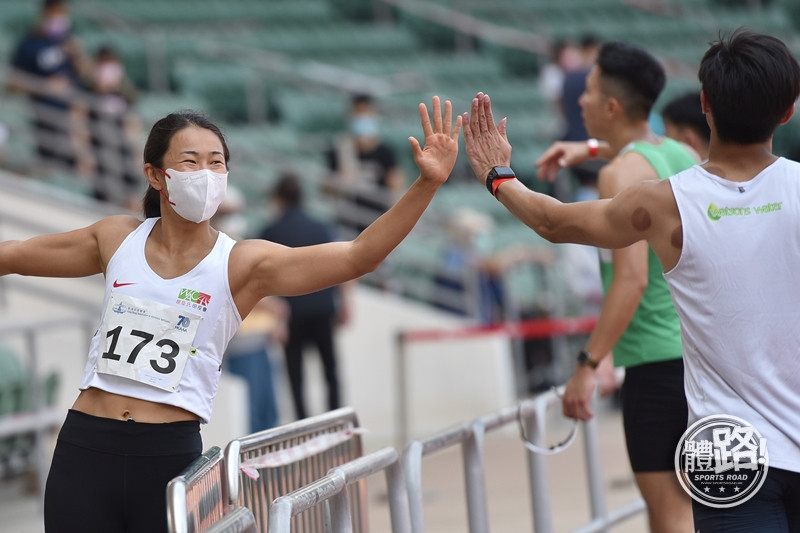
503 172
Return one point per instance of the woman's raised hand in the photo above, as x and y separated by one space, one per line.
436 160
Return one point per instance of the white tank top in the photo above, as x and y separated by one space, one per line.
736 289
162 340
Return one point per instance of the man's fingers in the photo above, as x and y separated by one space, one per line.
482 115
465 124
474 122
457 129
487 106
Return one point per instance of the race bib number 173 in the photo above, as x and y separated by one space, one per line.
146 341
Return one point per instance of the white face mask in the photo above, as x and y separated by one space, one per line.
196 195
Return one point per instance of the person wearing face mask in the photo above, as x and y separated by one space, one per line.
176 291
47 64
365 172
113 129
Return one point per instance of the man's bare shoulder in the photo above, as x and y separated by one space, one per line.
655 191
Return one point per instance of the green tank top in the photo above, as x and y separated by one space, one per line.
654 333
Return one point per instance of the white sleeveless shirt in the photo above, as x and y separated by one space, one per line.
162 340
736 288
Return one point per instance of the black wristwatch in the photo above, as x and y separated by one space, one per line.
585 359
496 176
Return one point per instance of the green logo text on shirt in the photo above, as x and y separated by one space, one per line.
716 213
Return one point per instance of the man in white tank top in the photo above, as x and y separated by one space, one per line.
727 234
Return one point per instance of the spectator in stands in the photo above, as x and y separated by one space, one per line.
113 129
366 175
564 57
47 65
467 278
247 357
248 353
574 85
638 320
685 121
725 233
176 291
583 177
470 275
313 316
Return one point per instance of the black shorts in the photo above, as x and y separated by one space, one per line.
111 475
654 414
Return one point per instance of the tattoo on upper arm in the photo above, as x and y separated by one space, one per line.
640 219
677 237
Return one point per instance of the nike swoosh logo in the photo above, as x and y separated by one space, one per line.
118 284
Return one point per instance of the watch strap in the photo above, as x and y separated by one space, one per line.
585 359
497 176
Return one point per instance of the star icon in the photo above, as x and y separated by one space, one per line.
707 489
722 489
736 489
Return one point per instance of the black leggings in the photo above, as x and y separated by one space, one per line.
111 475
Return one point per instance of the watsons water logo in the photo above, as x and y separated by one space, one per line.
716 213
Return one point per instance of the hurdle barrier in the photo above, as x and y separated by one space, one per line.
196 499
239 520
331 490
310 475
335 501
292 456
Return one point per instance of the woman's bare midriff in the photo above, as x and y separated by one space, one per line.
104 404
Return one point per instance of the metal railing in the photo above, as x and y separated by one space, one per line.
196 498
331 490
285 464
40 419
329 497
240 520
528 329
470 436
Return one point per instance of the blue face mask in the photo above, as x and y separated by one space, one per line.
364 126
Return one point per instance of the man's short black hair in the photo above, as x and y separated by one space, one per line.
750 81
632 75
685 110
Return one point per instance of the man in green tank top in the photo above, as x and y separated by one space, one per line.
637 321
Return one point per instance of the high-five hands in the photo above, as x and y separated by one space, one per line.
486 143
437 159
